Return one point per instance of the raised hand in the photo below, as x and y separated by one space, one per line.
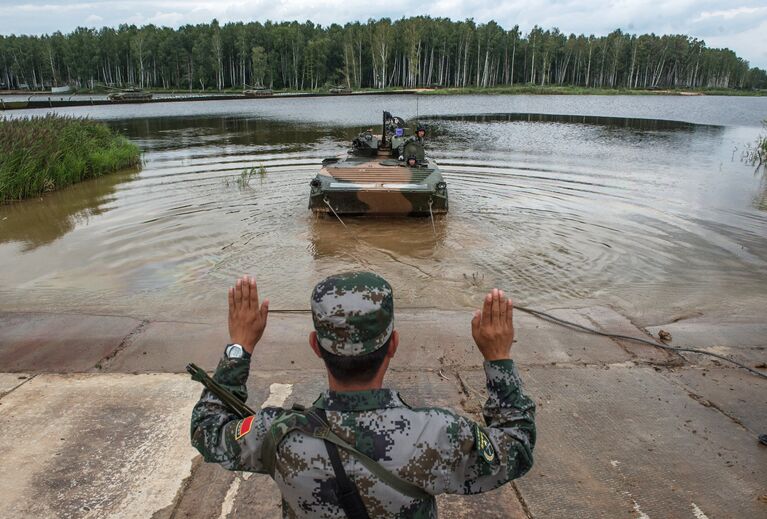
492 326
247 320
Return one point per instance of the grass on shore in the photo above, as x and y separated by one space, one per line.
41 154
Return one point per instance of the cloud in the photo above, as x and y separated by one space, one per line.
729 14
729 21
173 19
748 44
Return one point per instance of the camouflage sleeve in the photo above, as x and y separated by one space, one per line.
503 450
401 147
219 434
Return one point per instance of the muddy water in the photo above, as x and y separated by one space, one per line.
561 200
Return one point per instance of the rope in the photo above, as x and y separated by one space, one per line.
431 215
585 329
334 212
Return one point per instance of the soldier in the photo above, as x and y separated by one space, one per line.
418 138
397 457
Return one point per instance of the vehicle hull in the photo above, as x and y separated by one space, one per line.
377 186
129 97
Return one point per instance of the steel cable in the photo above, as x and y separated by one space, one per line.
585 329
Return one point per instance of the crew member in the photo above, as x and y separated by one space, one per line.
418 138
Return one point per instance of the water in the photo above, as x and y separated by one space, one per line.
641 203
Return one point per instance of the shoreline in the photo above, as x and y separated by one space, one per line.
498 90
44 100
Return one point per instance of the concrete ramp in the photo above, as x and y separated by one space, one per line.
93 446
624 429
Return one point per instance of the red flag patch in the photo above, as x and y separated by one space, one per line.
244 427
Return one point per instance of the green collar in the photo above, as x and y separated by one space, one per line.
368 400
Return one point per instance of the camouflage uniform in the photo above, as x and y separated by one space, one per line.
413 138
435 449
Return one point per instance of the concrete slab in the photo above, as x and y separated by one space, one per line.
734 392
625 441
215 492
541 342
608 320
169 347
448 336
743 341
92 446
10 381
428 339
59 342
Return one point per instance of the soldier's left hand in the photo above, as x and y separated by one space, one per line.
493 326
247 319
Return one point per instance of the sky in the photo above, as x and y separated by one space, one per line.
738 25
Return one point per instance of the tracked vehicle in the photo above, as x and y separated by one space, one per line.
340 89
258 91
130 95
371 180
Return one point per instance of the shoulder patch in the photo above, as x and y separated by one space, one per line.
244 426
483 444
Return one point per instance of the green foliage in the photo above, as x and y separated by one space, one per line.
756 154
258 65
246 175
409 52
244 179
45 153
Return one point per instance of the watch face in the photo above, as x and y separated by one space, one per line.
234 351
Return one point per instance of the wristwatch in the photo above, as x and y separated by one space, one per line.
234 351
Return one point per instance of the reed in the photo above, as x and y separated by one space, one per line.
756 153
40 154
243 180
761 145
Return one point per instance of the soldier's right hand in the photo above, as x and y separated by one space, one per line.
247 319
492 326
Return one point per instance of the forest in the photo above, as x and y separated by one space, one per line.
410 52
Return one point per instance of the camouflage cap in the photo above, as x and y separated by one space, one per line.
353 313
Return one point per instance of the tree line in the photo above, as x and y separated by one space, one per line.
410 52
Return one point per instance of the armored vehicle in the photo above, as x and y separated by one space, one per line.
130 95
340 89
370 180
259 91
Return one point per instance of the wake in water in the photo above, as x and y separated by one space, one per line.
556 209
